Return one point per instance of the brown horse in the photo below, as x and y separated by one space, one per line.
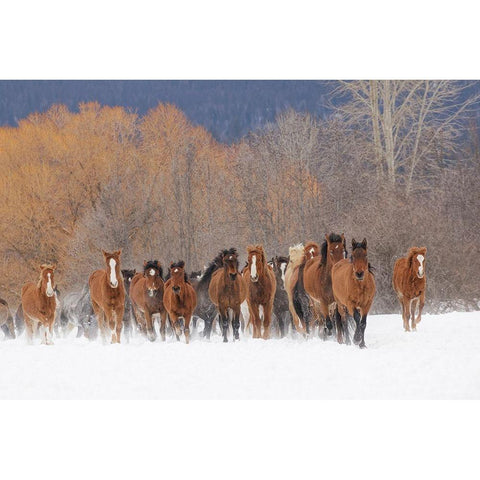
353 287
317 275
227 290
39 305
409 282
107 293
261 285
146 293
179 299
6 320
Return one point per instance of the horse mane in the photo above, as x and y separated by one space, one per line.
257 249
296 254
216 264
332 238
154 264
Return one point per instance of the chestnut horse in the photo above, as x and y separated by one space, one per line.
227 290
39 305
107 294
146 293
179 299
409 282
353 287
6 320
261 285
317 276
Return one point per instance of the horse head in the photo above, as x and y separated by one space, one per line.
359 259
177 276
311 250
47 279
230 262
112 261
417 256
334 248
256 261
280 267
152 271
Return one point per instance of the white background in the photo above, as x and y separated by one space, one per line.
252 40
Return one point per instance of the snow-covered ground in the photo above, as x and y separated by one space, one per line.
439 361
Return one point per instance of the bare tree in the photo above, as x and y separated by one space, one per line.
407 121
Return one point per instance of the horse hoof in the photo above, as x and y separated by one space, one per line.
225 340
362 345
152 337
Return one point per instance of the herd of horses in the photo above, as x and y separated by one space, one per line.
315 287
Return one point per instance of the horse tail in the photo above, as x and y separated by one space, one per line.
8 327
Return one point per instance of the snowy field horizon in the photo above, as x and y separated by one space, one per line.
439 361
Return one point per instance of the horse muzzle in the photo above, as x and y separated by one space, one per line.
176 290
114 285
151 292
233 276
254 279
50 293
359 275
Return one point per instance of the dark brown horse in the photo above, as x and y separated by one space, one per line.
261 285
227 290
107 293
6 320
146 293
353 287
179 299
317 276
409 283
39 305
280 302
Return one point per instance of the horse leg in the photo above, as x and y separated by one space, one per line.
28 329
119 321
338 324
421 304
163 321
255 319
174 320
406 314
236 324
141 322
186 329
151 335
363 326
357 335
100 315
267 320
224 320
49 332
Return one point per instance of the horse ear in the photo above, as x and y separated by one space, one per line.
144 263
364 243
342 236
104 252
118 252
326 237
354 242
424 250
134 271
54 267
